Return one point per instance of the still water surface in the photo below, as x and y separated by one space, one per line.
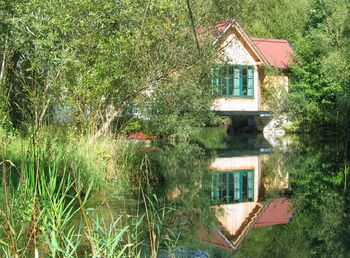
256 196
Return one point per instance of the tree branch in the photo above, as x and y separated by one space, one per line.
190 14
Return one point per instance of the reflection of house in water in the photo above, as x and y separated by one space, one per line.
236 183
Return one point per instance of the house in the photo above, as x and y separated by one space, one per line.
242 71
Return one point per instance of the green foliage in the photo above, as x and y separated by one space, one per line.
318 30
94 59
318 77
319 197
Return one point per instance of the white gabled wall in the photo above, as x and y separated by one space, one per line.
234 52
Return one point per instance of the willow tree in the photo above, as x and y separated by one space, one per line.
93 59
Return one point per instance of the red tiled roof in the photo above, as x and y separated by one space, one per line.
277 212
221 25
217 28
278 52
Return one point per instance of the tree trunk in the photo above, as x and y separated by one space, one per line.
3 62
105 127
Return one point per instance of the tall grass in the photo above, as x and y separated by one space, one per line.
46 185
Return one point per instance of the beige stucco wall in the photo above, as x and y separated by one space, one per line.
280 80
234 52
272 89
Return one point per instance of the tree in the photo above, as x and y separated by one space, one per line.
96 59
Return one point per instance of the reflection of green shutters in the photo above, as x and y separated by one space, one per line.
233 187
233 80
230 193
250 187
237 184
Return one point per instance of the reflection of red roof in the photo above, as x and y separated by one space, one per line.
141 136
277 212
274 213
215 237
278 52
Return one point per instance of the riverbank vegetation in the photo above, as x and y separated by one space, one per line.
77 77
111 66
318 30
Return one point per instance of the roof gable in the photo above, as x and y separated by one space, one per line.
276 53
231 28
235 50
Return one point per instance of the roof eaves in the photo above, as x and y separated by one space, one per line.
229 25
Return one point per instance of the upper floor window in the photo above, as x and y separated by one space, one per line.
233 80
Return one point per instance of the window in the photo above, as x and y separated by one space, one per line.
233 187
233 80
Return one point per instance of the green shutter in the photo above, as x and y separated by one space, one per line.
250 185
236 82
222 79
231 73
227 81
213 85
250 83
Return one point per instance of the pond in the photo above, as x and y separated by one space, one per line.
254 196
218 195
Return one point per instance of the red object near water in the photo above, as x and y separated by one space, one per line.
141 136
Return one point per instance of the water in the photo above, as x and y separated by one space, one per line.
242 196
248 196
262 198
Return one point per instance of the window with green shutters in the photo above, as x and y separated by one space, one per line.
233 80
233 187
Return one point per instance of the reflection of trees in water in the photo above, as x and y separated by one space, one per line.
188 188
320 224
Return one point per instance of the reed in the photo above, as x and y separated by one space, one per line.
46 184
